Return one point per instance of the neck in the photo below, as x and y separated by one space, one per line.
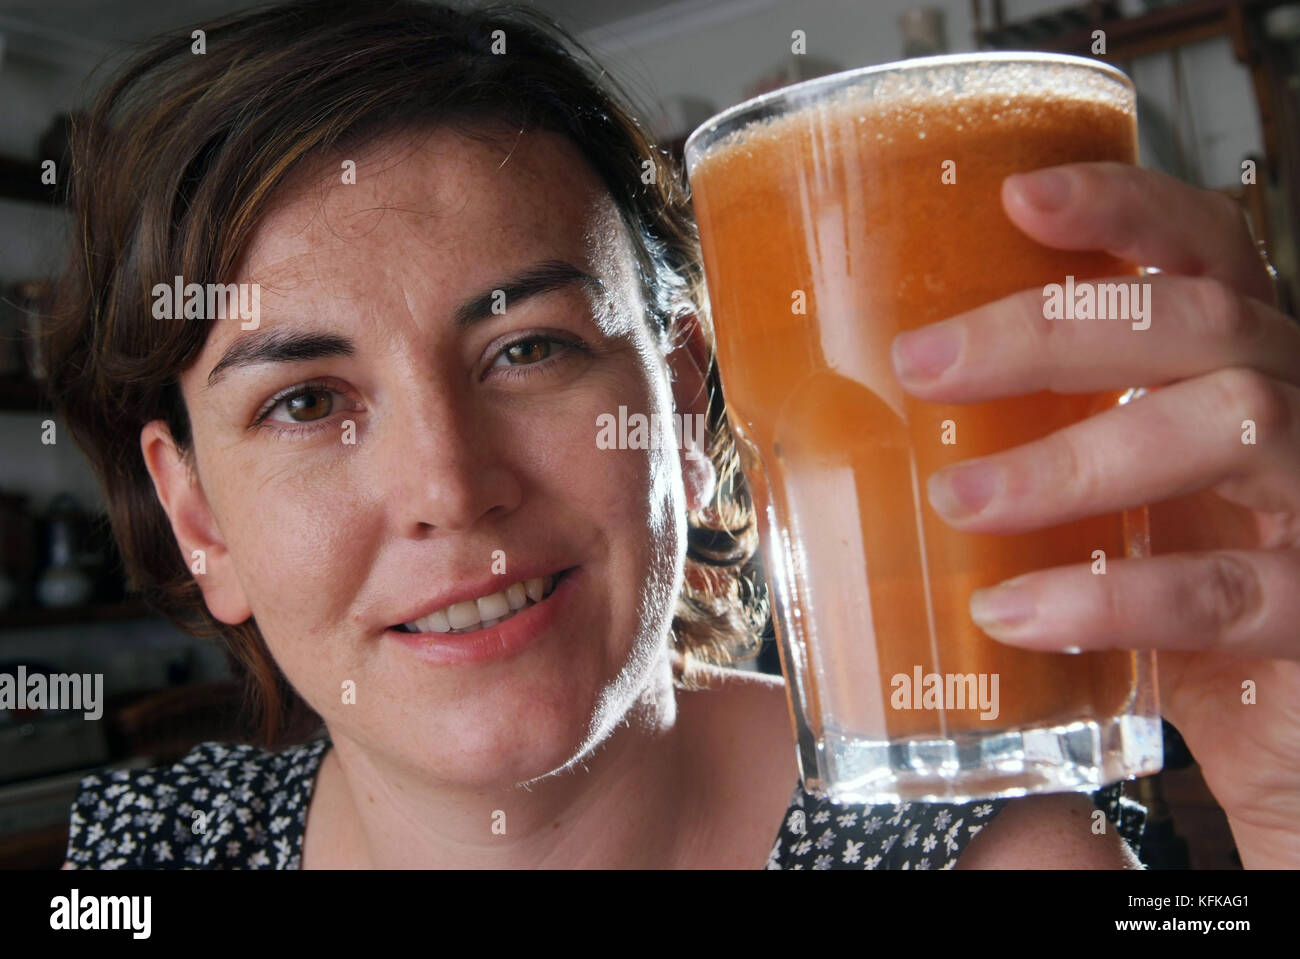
632 801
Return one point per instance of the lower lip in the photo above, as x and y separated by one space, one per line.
505 639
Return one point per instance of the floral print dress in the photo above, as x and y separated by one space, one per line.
240 807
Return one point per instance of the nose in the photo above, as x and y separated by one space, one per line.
444 463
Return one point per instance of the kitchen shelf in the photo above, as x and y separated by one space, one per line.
1168 28
1127 38
34 617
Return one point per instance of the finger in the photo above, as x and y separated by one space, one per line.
1010 347
1241 602
1142 216
1235 429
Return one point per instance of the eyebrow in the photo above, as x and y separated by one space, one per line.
277 345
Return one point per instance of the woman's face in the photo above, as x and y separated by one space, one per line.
434 450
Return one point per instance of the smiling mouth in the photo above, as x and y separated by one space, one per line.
486 611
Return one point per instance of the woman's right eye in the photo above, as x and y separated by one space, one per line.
304 404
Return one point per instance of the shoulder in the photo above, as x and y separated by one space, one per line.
743 709
741 689
1058 831
751 714
739 725
220 806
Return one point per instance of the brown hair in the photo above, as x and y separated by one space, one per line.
181 154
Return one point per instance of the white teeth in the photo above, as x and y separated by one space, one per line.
461 615
486 610
435 622
492 606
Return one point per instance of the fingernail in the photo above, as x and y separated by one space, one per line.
923 354
962 491
1044 190
1002 607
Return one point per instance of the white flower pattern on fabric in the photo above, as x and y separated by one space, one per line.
912 835
254 804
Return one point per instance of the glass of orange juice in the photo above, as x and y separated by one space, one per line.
833 215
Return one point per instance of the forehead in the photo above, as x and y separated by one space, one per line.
443 207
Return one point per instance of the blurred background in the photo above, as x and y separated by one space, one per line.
1219 94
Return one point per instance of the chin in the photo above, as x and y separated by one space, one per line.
507 740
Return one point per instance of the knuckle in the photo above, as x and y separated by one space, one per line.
1115 612
1251 395
1129 193
1024 336
1222 312
1031 320
1072 472
1226 591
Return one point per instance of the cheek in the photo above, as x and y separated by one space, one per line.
631 498
642 504
634 493
296 536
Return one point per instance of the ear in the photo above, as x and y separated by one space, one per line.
186 506
688 365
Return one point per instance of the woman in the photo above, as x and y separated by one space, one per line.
459 267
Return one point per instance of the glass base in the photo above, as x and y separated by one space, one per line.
1079 757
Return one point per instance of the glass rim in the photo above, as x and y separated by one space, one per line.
844 78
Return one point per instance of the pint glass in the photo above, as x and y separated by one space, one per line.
833 215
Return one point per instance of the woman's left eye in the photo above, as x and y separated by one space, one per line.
533 351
